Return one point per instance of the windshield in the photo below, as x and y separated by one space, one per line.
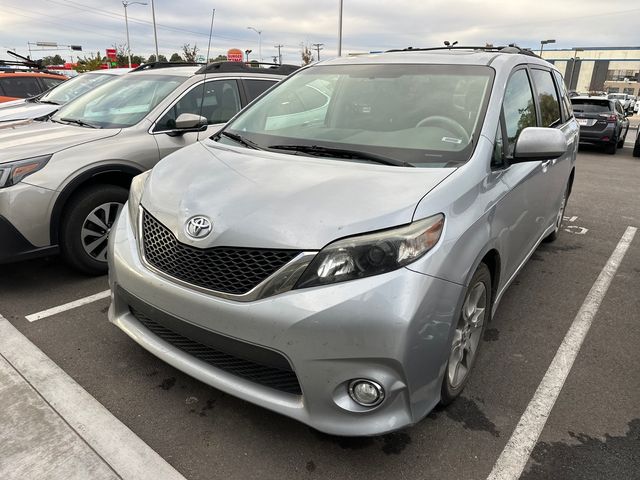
75 87
590 105
423 115
120 103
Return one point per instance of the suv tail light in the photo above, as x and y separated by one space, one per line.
610 118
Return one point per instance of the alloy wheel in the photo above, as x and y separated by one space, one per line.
96 228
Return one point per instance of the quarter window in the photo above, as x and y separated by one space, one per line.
217 101
547 98
518 106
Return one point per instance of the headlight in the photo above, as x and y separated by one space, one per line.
373 253
14 172
135 196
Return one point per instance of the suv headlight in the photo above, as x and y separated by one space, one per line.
14 172
372 253
135 196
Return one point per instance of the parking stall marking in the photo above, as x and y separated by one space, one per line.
126 453
67 306
515 455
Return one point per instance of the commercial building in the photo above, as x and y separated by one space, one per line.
590 69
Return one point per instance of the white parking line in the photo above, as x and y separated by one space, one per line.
67 306
120 448
515 455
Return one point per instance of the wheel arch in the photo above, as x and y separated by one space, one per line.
120 175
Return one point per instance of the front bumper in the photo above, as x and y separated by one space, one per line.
394 329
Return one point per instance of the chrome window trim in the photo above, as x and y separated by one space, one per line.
280 281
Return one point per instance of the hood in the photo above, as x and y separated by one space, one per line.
12 103
271 200
44 138
26 110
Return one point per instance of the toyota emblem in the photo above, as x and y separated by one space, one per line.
198 227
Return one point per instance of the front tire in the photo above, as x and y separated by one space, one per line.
467 338
86 224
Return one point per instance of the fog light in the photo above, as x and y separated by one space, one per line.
366 393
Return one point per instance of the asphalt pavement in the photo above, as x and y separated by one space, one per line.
593 431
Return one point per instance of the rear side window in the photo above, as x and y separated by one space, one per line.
20 87
565 103
518 107
255 88
547 98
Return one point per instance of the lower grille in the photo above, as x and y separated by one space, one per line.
273 377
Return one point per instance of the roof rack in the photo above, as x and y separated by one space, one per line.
156 65
234 67
511 48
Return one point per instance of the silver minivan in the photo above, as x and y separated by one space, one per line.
336 251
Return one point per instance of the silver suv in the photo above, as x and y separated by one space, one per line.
336 251
63 181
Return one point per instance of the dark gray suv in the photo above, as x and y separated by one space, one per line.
602 122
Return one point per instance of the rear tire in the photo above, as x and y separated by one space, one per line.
636 148
552 237
622 140
467 339
611 147
86 224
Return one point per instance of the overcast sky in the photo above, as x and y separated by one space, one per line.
368 25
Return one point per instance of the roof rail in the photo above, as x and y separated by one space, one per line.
511 48
156 65
234 67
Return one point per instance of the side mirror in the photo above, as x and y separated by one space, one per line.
536 143
189 122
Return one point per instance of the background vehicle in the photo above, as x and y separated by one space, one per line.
339 264
43 105
16 85
79 164
602 122
623 98
636 145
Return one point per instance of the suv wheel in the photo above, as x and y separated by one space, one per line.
636 148
86 224
612 146
476 312
622 140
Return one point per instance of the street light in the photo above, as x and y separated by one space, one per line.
340 30
543 43
125 4
573 65
259 32
247 52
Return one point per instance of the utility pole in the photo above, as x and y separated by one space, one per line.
125 4
155 33
318 45
340 30
279 54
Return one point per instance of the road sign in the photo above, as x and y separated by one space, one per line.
111 53
235 55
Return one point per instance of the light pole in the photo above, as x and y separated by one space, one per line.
155 33
279 53
259 32
573 64
125 4
340 30
543 43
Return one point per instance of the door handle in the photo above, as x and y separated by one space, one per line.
545 165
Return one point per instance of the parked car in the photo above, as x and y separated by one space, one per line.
15 85
63 181
44 105
340 268
602 122
632 105
623 98
636 145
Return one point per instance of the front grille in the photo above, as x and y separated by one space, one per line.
223 269
273 377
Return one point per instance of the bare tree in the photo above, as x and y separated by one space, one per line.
307 56
189 53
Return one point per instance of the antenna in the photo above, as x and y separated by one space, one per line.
204 81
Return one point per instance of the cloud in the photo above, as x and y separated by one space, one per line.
367 24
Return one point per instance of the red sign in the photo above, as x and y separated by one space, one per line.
235 55
111 53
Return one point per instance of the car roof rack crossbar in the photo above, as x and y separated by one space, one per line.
235 67
511 48
157 65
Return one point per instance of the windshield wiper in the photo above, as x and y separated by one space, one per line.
48 101
343 153
82 123
244 141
